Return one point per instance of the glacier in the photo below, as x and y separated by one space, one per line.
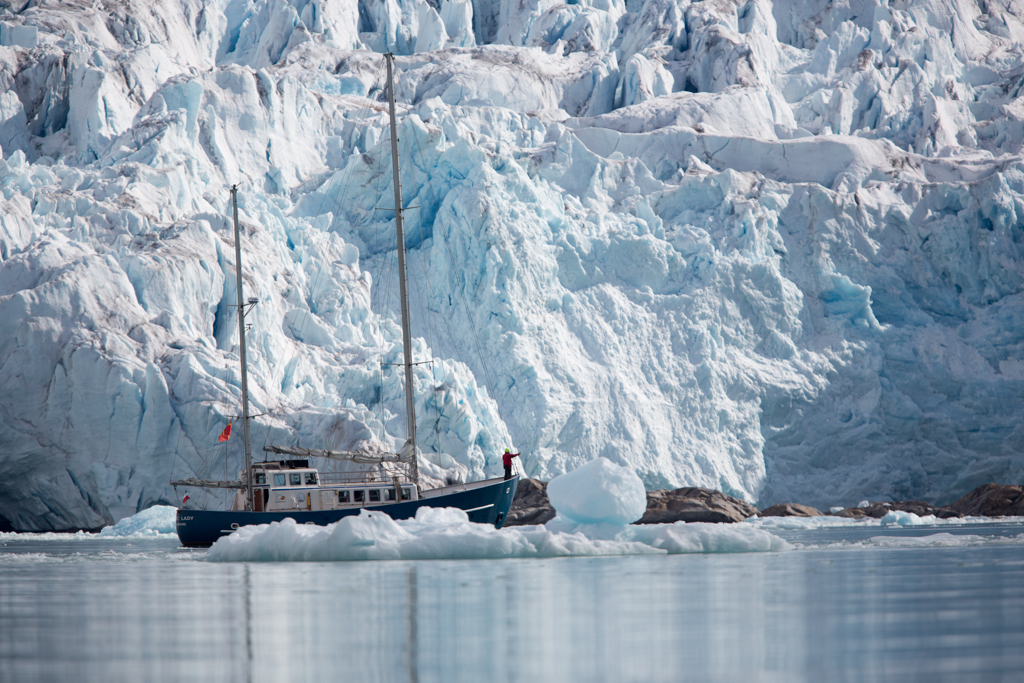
772 248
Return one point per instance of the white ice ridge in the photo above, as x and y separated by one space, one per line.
937 540
895 518
447 533
772 248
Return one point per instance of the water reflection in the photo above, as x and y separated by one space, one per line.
412 649
848 614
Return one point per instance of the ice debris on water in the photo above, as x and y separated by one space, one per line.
892 519
941 540
447 533
902 518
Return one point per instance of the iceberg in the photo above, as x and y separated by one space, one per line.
599 492
768 248
154 521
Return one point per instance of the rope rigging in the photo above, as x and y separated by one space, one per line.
382 291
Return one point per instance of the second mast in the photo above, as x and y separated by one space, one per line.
403 285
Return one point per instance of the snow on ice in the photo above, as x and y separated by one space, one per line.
770 248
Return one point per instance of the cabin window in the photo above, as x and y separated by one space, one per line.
406 494
311 479
374 495
261 478
357 496
389 494
342 496
278 480
296 479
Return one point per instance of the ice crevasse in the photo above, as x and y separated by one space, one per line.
769 248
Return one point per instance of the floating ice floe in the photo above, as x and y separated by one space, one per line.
16 536
938 540
941 539
893 518
447 534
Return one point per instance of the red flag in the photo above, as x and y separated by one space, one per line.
185 499
226 434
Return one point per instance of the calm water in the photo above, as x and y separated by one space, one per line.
833 610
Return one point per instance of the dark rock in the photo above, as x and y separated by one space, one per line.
531 504
694 504
860 513
923 509
992 500
879 510
790 510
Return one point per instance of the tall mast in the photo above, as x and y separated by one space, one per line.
403 291
241 352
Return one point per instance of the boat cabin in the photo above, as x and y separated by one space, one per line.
294 485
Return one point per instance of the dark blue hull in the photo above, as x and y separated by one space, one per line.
485 504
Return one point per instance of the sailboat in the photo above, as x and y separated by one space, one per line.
288 487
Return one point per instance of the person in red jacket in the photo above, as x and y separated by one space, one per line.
506 460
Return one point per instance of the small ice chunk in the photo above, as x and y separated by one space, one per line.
906 518
599 492
159 519
836 510
863 504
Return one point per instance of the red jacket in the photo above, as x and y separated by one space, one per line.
506 459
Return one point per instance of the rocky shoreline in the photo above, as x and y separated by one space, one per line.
695 504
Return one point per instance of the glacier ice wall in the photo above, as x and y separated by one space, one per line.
768 247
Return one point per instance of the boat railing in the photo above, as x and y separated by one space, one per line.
372 478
